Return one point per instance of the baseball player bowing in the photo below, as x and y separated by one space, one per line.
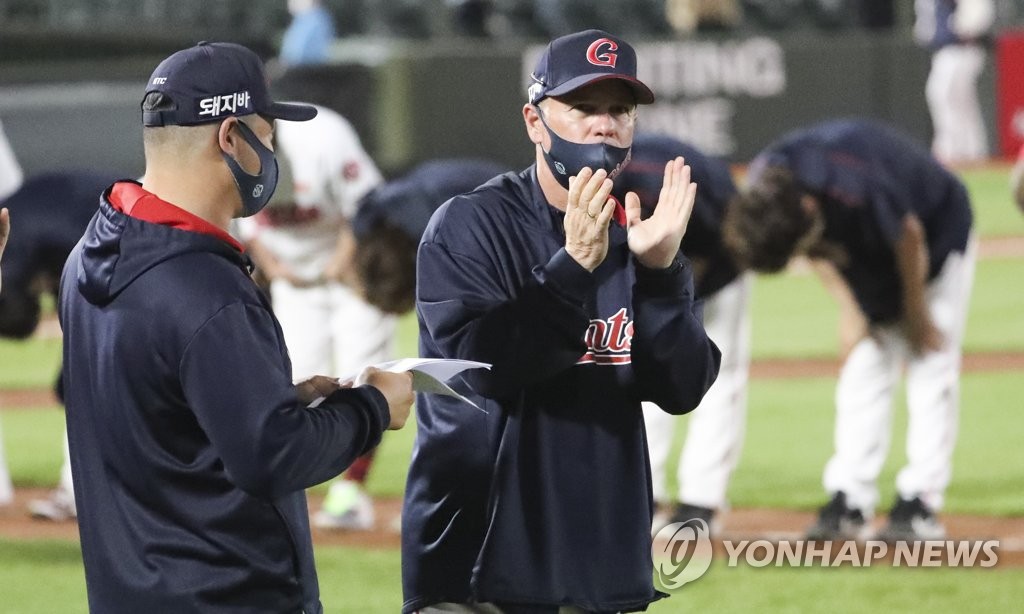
890 231
542 501
53 209
714 437
390 221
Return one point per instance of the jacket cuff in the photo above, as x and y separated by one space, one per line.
566 277
676 280
378 416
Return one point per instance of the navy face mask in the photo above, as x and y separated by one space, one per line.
566 159
255 190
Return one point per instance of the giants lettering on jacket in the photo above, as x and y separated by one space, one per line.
609 341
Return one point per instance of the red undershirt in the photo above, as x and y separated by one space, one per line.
135 201
619 215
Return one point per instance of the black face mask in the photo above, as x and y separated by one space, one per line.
255 190
567 159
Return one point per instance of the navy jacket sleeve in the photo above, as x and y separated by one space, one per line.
674 359
234 377
528 332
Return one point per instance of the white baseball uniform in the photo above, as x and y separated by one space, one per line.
327 328
954 29
867 382
11 178
716 428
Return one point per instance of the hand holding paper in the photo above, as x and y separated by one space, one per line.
397 390
428 375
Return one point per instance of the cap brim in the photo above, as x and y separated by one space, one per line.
643 94
290 112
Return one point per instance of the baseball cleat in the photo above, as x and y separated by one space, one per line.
683 512
58 507
662 516
838 521
912 520
346 507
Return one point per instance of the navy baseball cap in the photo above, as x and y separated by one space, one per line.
211 81
575 60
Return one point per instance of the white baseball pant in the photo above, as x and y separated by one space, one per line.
65 483
11 175
865 390
6 488
952 94
716 429
329 330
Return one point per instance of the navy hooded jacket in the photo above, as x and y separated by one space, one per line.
189 448
545 500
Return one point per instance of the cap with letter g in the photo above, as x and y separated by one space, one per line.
574 60
212 81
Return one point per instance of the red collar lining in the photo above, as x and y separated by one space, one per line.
135 201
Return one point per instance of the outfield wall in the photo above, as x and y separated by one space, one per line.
414 101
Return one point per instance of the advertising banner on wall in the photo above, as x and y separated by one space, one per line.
732 96
698 84
1010 91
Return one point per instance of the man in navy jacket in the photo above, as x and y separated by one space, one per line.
190 446
543 500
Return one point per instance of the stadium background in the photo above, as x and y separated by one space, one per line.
417 87
70 73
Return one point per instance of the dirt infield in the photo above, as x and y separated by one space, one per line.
783 368
739 524
774 368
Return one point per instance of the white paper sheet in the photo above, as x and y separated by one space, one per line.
428 375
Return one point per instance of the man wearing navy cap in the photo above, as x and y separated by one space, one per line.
542 502
190 446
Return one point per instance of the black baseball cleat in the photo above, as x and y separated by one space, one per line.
838 521
682 512
911 520
686 511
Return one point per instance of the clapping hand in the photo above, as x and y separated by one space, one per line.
5 229
655 241
587 214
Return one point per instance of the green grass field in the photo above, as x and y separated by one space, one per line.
789 437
